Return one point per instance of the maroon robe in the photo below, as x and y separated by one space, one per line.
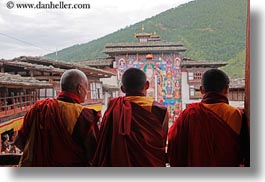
199 137
46 141
131 136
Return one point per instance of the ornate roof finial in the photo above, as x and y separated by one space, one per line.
143 28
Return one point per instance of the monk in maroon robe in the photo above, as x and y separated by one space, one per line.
209 133
134 127
60 132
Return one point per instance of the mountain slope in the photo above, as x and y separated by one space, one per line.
236 66
209 29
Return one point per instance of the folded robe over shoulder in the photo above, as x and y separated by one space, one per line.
199 137
131 135
49 139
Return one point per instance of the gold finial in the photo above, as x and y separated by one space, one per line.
142 28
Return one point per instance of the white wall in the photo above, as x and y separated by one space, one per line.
185 96
50 93
110 81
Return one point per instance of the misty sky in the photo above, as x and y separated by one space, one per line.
36 32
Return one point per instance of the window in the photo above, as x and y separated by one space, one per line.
143 40
197 76
96 91
192 91
190 76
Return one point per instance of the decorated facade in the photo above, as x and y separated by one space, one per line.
160 60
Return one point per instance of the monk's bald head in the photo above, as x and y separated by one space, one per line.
133 79
71 79
214 80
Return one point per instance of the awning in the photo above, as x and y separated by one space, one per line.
17 122
11 124
96 107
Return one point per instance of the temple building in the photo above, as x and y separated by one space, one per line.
160 60
174 79
192 72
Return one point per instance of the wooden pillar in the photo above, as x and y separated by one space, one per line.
13 101
45 95
247 73
0 142
20 101
28 98
31 73
38 94
5 104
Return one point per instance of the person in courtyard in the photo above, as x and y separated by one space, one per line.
134 128
211 132
60 132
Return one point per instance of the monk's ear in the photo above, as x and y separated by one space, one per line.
226 89
78 89
202 90
146 85
123 89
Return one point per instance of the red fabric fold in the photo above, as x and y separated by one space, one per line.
214 97
52 144
68 96
128 139
201 138
123 115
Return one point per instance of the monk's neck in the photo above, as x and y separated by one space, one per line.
135 93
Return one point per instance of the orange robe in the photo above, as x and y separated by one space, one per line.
133 133
58 133
209 133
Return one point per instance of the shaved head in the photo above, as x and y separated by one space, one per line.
71 79
75 81
214 80
133 79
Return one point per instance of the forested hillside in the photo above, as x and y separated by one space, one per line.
236 65
212 30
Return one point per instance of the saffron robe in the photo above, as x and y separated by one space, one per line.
58 132
133 133
200 137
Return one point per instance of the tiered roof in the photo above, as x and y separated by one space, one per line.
147 47
16 81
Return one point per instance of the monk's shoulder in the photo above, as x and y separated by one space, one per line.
192 108
90 114
159 105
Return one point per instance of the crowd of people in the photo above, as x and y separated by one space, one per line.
7 144
134 128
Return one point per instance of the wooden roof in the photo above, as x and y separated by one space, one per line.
29 66
148 47
61 65
97 62
202 63
16 81
237 83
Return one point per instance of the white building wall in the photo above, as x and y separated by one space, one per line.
112 81
107 95
237 103
185 91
